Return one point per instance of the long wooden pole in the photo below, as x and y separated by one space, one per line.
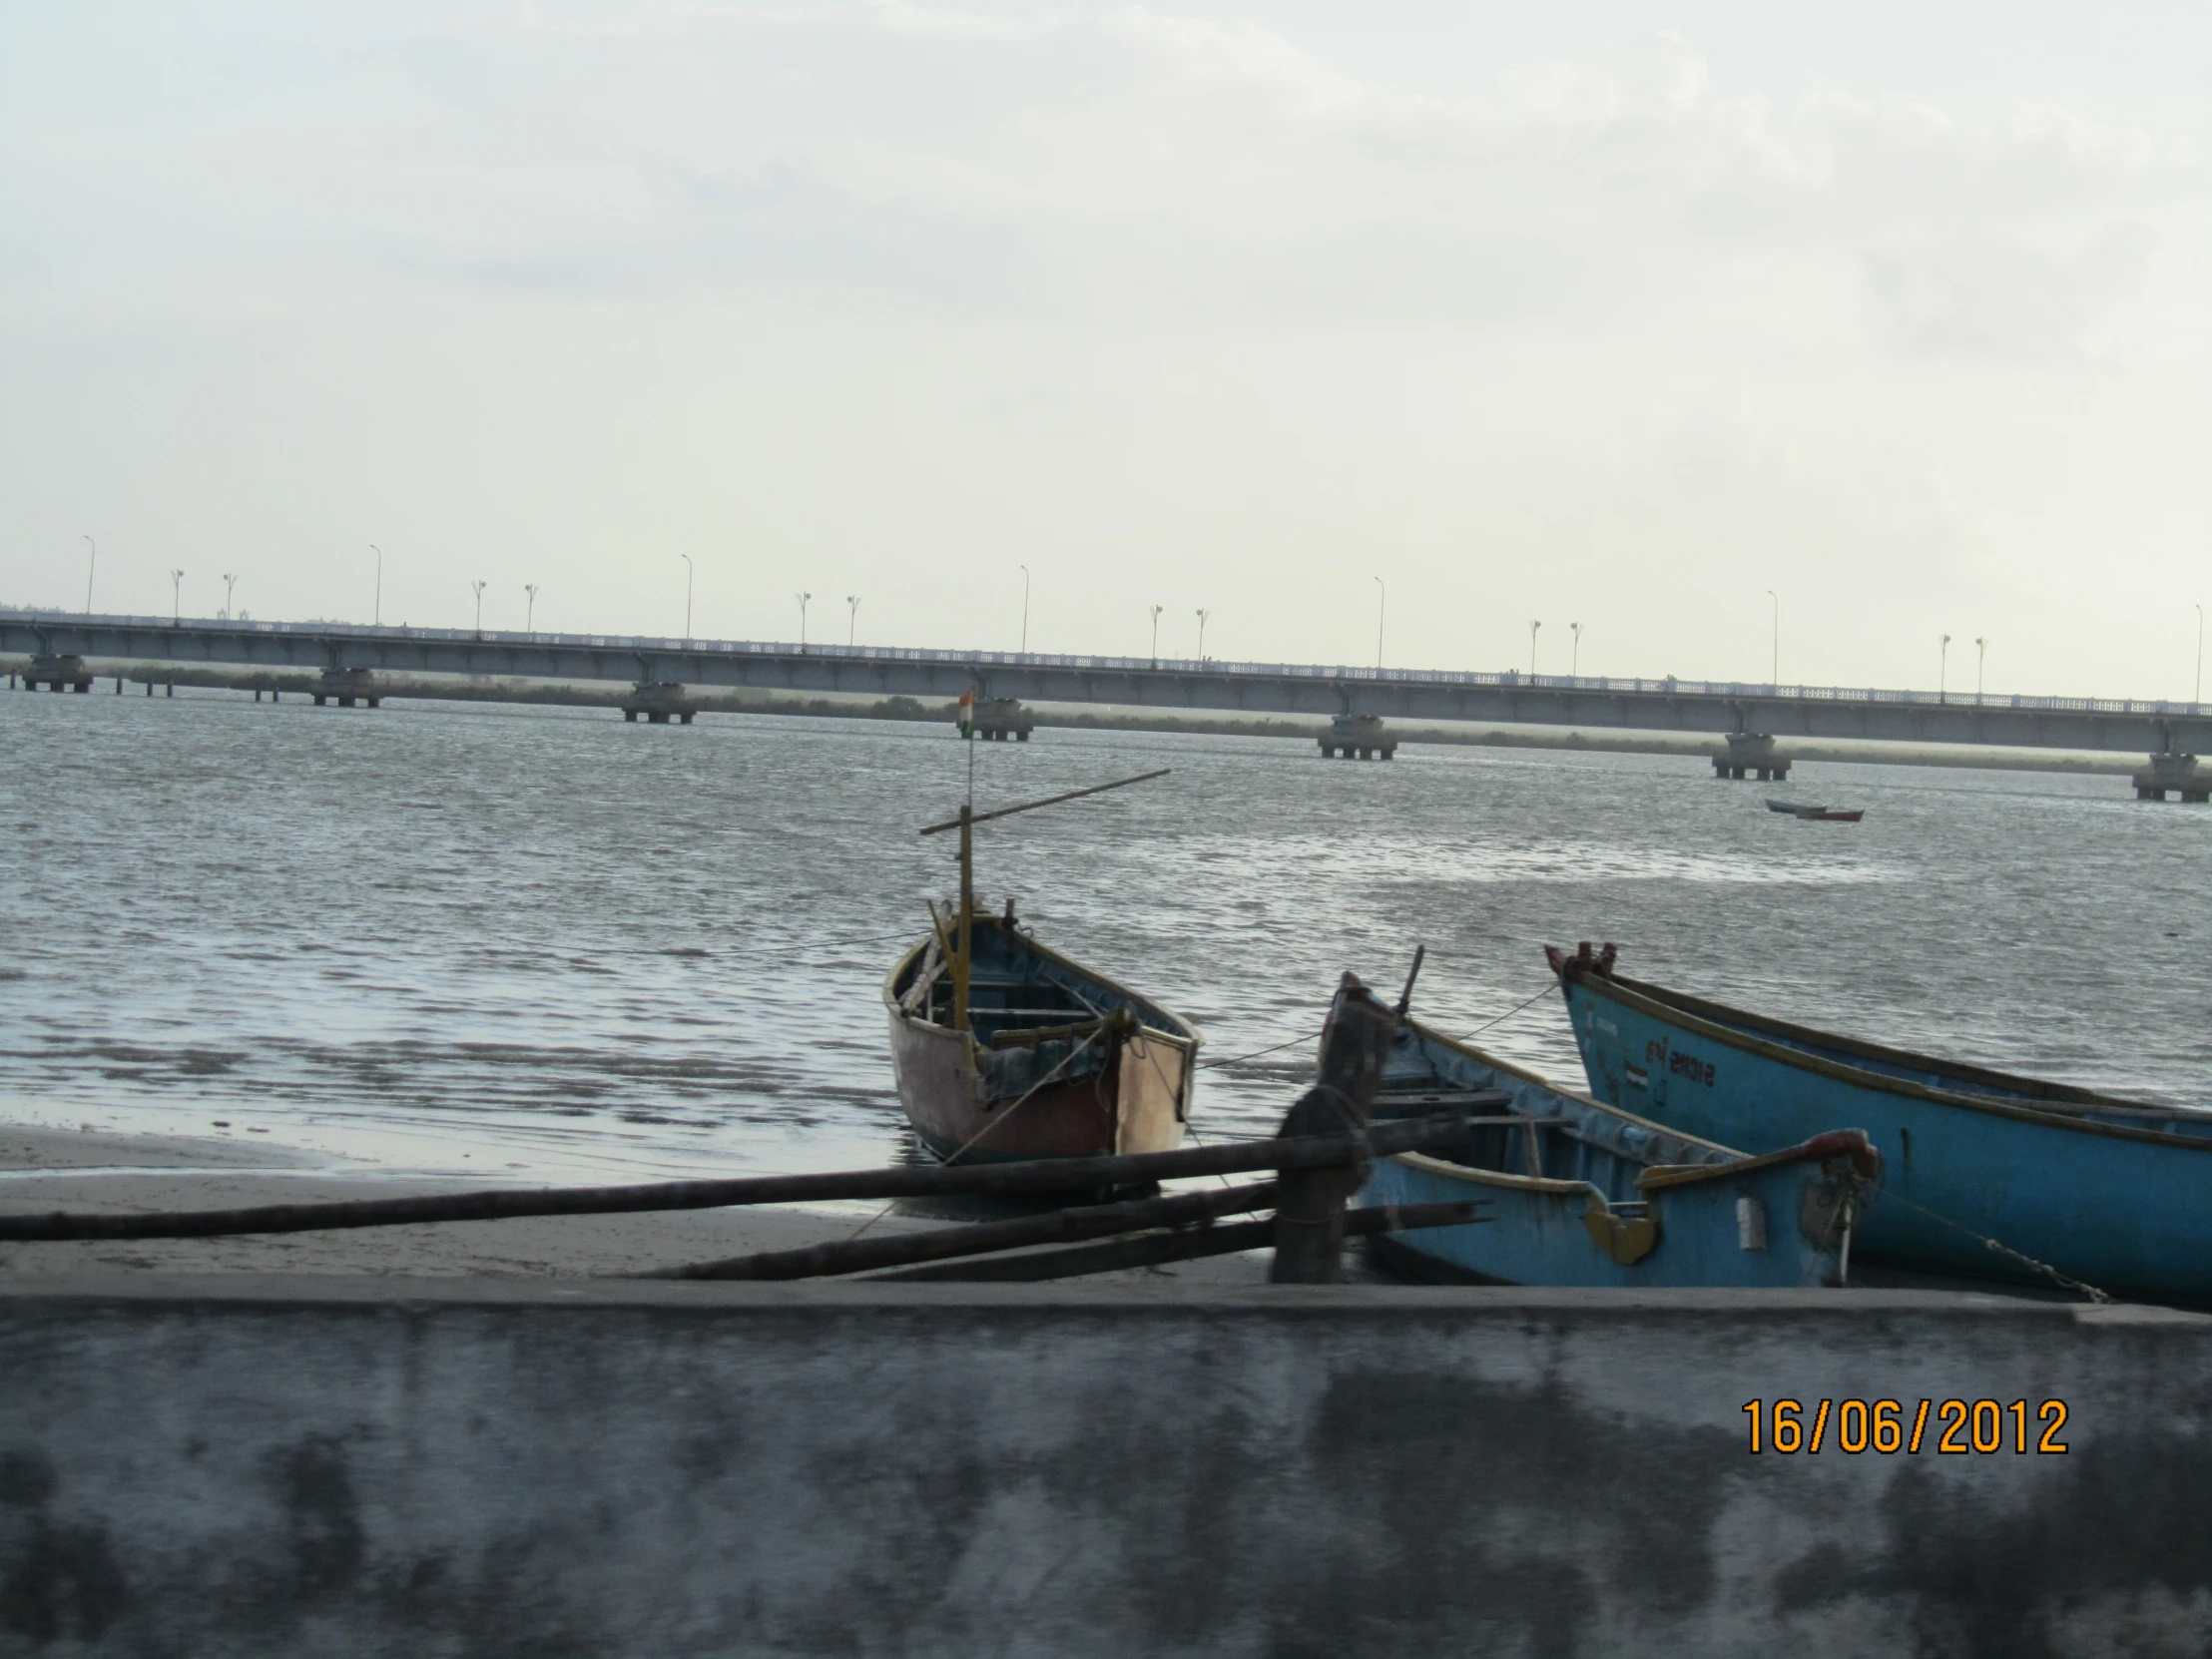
1309 1223
1152 1249
1044 1174
1095 1221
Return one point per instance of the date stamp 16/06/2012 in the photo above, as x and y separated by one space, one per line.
1884 1426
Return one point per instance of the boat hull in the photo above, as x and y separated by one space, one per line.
1131 1104
1599 1198
1058 1061
2095 1191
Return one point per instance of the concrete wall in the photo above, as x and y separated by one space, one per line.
300 1467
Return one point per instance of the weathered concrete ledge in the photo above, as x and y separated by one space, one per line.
293 1466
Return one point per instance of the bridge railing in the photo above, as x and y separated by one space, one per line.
1509 679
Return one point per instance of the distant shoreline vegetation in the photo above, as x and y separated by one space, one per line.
486 688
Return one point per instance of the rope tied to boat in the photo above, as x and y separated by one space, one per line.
1309 1036
956 1155
1883 1194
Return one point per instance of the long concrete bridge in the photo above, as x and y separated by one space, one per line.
1745 717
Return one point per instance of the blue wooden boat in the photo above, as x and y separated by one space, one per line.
1583 1193
2079 1185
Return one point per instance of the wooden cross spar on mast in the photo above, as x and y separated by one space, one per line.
967 820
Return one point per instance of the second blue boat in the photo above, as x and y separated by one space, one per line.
1984 1172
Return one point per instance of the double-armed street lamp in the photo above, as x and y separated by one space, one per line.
1156 610
176 598
479 588
530 607
803 598
229 583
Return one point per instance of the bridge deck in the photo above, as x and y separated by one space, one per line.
2115 723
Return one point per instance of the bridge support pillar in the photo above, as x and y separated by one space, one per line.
1751 755
62 673
1000 717
345 687
2177 772
658 701
1359 736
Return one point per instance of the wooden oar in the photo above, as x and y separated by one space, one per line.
1187 1244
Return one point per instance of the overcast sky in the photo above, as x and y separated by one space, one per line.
1608 313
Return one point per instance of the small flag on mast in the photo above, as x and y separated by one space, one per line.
967 714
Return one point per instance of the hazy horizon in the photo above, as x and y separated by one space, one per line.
1609 315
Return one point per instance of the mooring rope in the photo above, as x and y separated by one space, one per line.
1883 1196
988 1127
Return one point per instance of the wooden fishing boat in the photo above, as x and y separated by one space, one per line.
1001 1048
1585 1193
2068 1183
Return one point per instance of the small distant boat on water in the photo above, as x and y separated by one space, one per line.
1818 814
2069 1183
1001 1048
1579 1193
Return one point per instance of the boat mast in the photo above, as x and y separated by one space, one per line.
963 959
961 954
964 938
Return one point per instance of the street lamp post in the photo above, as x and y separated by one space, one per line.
530 609
1533 626
686 557
1203 614
479 587
1156 610
803 598
2197 696
1943 673
228 582
1574 658
176 598
1775 669
1981 662
91 559
852 618
1025 609
376 615
1381 602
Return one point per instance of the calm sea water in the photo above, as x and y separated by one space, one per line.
547 941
